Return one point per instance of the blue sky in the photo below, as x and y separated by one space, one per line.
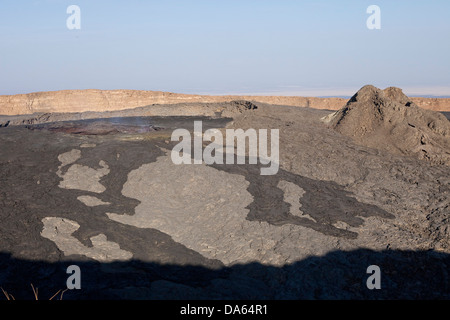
316 47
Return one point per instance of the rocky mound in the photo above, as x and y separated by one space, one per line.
389 120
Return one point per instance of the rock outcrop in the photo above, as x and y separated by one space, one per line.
389 120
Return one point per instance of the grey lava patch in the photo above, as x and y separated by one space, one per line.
324 204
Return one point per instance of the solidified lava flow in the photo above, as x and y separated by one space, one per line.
98 127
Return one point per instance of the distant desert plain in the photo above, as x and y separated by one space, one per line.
113 100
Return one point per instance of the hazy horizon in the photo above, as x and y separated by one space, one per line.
247 94
302 48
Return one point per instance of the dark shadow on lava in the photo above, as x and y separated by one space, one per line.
338 275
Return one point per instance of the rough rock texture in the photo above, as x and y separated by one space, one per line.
153 230
110 100
60 231
389 120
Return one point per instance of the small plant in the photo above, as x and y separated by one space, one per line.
35 293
